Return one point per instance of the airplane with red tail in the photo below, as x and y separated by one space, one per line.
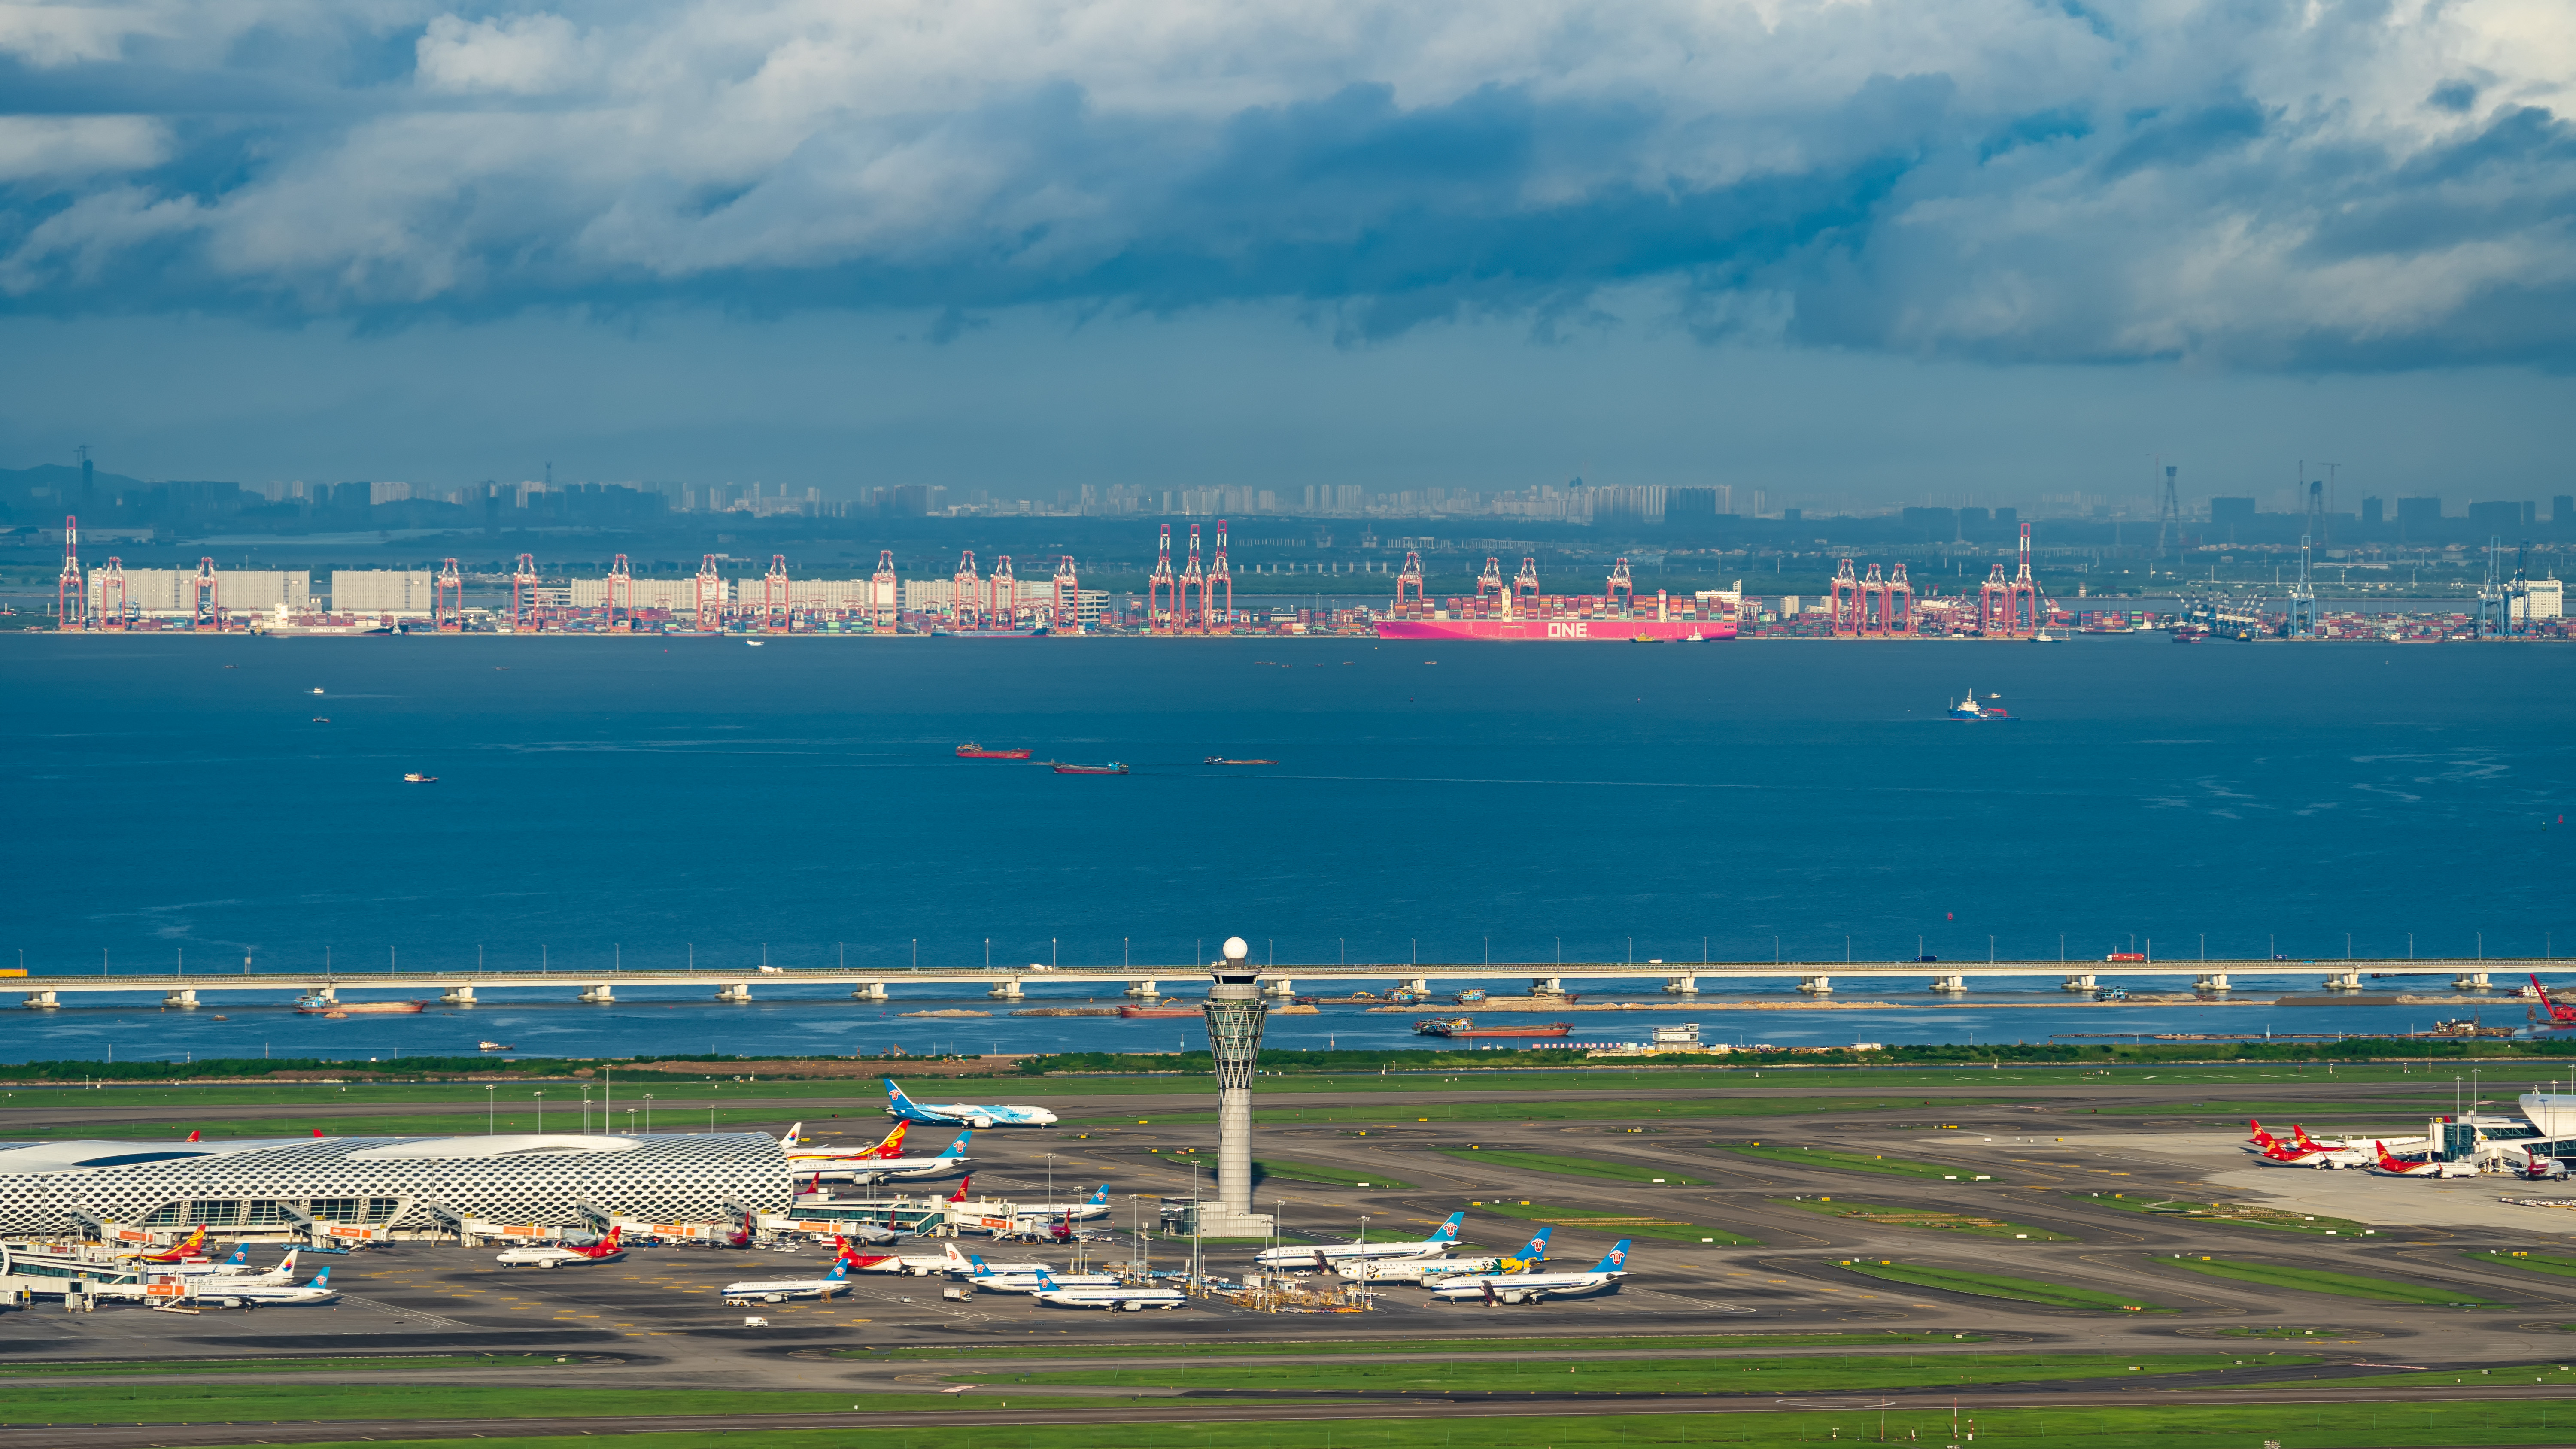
555 1255
2389 1166
192 1246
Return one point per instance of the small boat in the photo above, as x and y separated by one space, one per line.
1222 760
313 691
494 1046
1132 1012
2043 637
755 643
973 751
417 778
1472 996
1112 768
321 719
1969 708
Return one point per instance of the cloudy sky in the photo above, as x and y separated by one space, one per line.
1834 248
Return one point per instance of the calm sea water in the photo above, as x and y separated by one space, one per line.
641 801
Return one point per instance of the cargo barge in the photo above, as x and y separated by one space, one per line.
1137 1011
1465 1026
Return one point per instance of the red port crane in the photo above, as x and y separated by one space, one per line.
2026 615
1219 577
1525 584
1068 594
1005 593
885 596
1848 610
1162 592
447 599
777 600
1490 584
1192 594
710 596
523 594
207 605
1621 588
71 588
964 590
1409 583
111 595
1899 615
621 593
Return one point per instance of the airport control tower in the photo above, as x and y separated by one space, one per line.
1235 1012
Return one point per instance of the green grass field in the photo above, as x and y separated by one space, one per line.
1944 1220
2319 1280
1849 1161
1592 1220
282 1365
1268 1167
2394 1425
2535 1262
2510 1376
1805 1373
2237 1214
1996 1285
1310 1347
1575 1166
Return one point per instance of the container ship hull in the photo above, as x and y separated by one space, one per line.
1561 631
1463 1028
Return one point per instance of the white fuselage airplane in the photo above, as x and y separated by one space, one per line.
964 1114
1094 1206
779 1290
1054 1293
1335 1254
2389 1166
1534 1287
554 1255
965 1264
235 1269
269 1295
1427 1271
1001 1282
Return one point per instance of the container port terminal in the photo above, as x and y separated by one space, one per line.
1409 983
1197 599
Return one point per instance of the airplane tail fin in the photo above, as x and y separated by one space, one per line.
892 1146
323 1278
1614 1261
240 1257
955 1258
957 1148
795 1136
896 1102
1448 1232
286 1265
840 1272
194 1136
1046 1281
2385 1160
1535 1250
1101 1198
2260 1137
963 1183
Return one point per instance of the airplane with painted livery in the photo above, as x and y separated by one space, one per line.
247 1294
1442 1239
801 1152
1056 1293
555 1255
1491 1289
237 1268
950 1159
779 1290
986 1275
1094 1206
190 1247
2537 1168
2387 1165
967 1114
914 1264
964 1265
1426 1271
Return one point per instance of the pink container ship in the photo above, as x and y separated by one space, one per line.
1518 611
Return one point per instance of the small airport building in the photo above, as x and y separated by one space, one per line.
384 1187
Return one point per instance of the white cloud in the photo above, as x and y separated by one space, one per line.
34 146
523 55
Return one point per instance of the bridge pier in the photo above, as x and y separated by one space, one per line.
457 996
600 995
1950 985
1279 986
185 996
738 991
2344 981
43 1001
2472 981
1817 986
1681 986
1145 990
2212 981
1006 990
869 991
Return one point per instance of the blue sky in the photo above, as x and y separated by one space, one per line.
1842 251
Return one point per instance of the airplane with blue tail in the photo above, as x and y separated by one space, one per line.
1493 1288
969 1114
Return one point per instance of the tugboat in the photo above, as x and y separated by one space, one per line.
1112 768
415 777
1969 708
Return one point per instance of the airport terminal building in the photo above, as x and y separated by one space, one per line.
400 1185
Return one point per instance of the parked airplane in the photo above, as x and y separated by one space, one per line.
972 1114
1094 1206
2539 1168
554 1255
1534 1287
1439 1243
880 1169
1055 1293
1000 1281
779 1290
2260 1141
2301 1150
964 1264
242 1294
192 1246
237 1269
802 1156
2428 1167
919 1266
1427 1270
